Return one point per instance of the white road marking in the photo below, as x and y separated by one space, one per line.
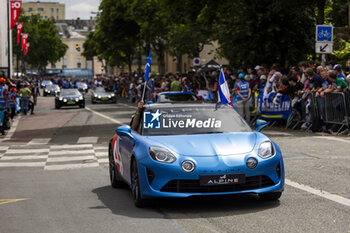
70 166
332 138
27 157
12 130
103 161
72 152
99 148
71 158
39 141
66 146
101 154
104 116
28 164
324 194
26 151
92 140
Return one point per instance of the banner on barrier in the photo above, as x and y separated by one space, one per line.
270 110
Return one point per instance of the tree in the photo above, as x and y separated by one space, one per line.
116 35
45 44
252 32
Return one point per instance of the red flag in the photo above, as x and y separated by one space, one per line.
26 48
15 7
24 40
19 31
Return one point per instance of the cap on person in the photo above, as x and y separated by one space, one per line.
2 80
241 75
263 77
257 67
337 67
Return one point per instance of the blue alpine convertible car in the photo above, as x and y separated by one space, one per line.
181 150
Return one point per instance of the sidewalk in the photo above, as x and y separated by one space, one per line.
43 124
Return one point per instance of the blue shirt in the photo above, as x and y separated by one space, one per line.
243 88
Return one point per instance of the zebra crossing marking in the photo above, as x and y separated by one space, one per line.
39 141
53 157
92 140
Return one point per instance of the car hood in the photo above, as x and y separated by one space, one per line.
208 144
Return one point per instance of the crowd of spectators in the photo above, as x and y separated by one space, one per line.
244 84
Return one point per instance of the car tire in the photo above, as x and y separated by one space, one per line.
44 94
270 196
57 106
135 185
93 102
116 180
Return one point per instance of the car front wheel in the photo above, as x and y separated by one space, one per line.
116 180
135 185
270 196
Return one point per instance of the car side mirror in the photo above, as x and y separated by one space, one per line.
260 125
124 130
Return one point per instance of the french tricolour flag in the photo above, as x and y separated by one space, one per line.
224 93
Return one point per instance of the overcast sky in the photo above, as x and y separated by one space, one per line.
77 8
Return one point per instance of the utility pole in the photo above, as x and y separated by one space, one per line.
9 40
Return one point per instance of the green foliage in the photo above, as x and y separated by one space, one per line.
338 15
264 31
45 44
343 53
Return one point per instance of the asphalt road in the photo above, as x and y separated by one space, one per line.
54 178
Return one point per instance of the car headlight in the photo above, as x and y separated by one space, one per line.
161 154
99 97
60 98
266 150
76 99
95 95
48 91
113 94
81 98
65 100
109 96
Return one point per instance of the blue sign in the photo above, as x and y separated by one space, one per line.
151 120
324 33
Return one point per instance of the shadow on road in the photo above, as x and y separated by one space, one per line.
119 201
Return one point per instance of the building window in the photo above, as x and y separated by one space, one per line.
52 10
64 64
53 66
40 9
57 10
45 17
57 17
30 9
78 62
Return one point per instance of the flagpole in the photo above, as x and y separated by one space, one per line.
143 93
9 40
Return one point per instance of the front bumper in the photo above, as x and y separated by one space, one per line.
104 100
159 180
72 103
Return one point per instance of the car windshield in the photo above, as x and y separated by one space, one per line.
79 84
100 89
47 82
69 92
50 87
192 120
163 98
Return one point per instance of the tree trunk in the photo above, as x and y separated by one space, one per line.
179 64
161 62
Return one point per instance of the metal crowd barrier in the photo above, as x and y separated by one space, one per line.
337 109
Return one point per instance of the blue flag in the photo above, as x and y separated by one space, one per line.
148 67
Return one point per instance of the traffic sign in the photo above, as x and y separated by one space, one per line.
324 33
196 61
324 47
